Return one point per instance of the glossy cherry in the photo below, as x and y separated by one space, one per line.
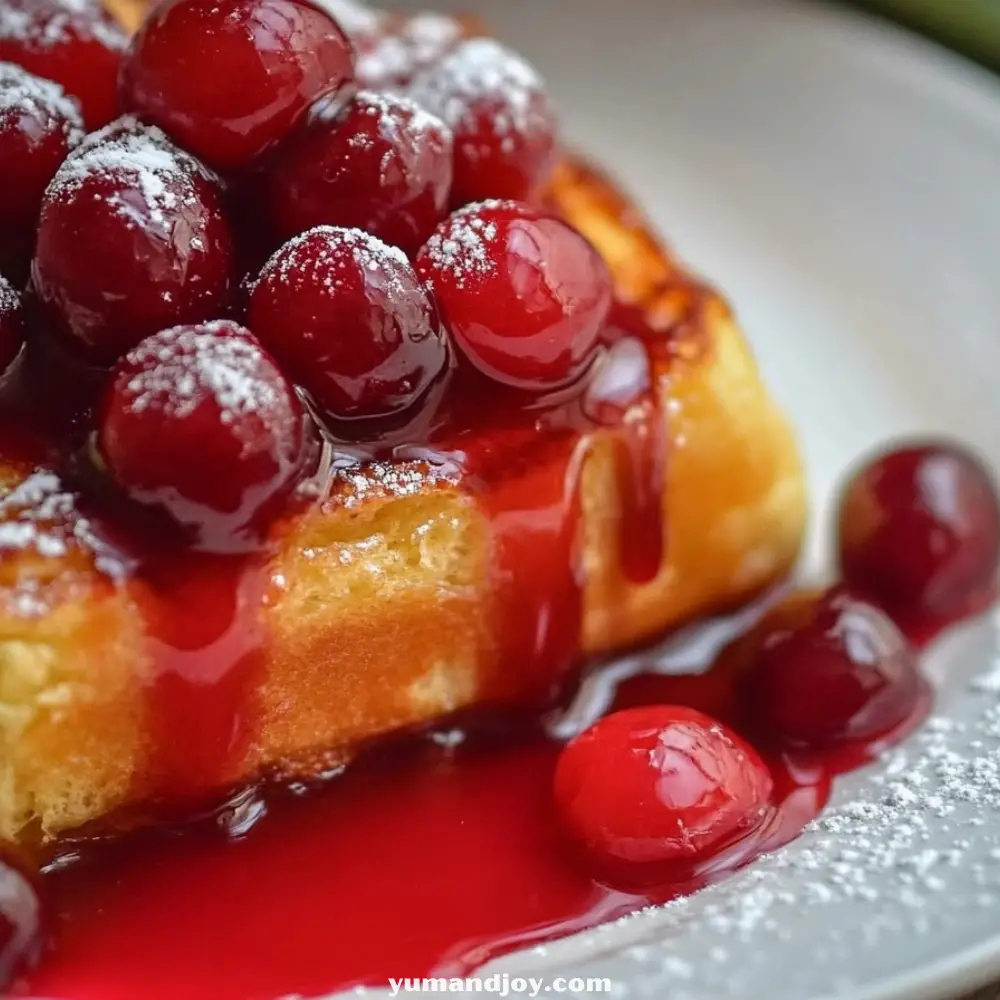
827 669
132 239
524 295
76 43
919 531
22 920
198 421
11 324
229 80
498 109
39 125
382 165
405 47
348 318
661 784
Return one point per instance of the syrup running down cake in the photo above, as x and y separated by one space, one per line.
475 522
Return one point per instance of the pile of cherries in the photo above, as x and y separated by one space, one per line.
261 238
656 786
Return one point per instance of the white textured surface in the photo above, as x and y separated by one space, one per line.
838 180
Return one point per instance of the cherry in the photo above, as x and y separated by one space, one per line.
827 669
504 125
229 80
199 422
919 531
382 165
132 238
358 21
405 48
11 324
76 43
22 920
524 295
39 125
347 316
661 784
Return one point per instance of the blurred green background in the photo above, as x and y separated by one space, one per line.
971 26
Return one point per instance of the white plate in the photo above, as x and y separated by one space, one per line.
841 182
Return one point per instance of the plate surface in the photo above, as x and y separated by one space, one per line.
839 180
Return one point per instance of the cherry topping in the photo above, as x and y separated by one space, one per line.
524 295
826 669
228 80
39 125
382 165
11 324
919 531
132 239
22 920
76 43
504 125
347 316
199 422
661 784
406 47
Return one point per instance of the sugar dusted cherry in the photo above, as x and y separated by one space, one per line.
11 324
827 669
39 125
359 21
919 531
76 43
404 48
132 239
348 318
199 422
524 295
504 125
229 80
382 165
658 785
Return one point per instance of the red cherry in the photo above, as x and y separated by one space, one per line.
383 165
11 324
498 109
657 785
198 421
22 921
405 47
347 316
132 239
76 43
524 295
828 669
919 531
229 80
39 125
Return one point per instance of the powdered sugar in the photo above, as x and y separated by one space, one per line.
44 24
357 19
460 248
393 60
134 158
180 368
9 299
24 95
481 76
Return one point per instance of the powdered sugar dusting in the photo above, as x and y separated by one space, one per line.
483 76
395 58
460 249
23 94
9 299
45 24
40 517
133 157
358 20
179 368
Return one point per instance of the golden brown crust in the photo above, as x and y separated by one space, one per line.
380 609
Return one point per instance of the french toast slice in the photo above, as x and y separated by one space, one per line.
378 608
